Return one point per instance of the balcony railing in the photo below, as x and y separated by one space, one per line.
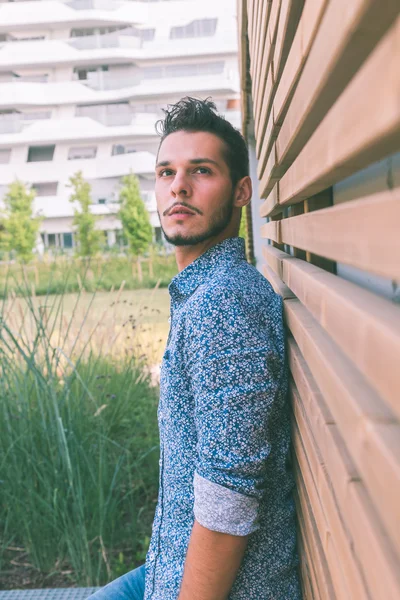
10 124
101 80
108 40
94 4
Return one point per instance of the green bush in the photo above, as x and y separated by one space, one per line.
78 456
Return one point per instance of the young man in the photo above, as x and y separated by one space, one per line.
224 526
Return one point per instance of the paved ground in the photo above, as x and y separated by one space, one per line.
49 594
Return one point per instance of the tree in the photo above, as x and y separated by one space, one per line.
88 238
134 216
19 226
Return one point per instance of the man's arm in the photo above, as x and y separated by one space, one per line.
211 565
235 364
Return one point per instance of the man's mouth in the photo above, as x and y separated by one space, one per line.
180 210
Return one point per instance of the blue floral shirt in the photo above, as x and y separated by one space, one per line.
224 424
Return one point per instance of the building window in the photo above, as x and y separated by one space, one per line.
82 32
102 201
94 110
184 70
40 153
5 155
45 188
198 28
146 35
83 152
67 240
123 149
146 108
51 240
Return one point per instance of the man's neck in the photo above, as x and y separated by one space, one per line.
185 255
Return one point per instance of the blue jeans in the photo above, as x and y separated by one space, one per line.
127 587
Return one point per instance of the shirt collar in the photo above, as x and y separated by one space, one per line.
224 253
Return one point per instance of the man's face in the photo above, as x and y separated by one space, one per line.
193 187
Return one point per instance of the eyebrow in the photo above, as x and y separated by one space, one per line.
194 161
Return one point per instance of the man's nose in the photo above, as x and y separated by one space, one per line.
180 186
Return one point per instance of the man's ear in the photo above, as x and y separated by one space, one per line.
243 192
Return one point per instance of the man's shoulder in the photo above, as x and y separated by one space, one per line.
240 285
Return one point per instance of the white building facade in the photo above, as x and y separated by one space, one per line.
82 84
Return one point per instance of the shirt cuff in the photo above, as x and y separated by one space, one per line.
221 509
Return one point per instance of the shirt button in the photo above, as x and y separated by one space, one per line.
159 512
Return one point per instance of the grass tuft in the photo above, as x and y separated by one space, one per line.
78 439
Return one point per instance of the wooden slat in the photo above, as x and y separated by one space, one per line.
273 172
255 50
351 497
333 555
362 233
310 547
330 520
347 34
279 287
272 231
309 506
302 42
320 577
365 326
379 563
307 563
254 45
307 29
250 15
354 134
305 566
288 21
271 205
265 14
267 51
355 407
270 132
266 103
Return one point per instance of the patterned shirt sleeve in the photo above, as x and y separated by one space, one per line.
235 363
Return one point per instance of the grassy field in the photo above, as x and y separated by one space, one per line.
78 435
66 274
114 324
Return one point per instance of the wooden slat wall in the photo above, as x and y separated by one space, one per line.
323 78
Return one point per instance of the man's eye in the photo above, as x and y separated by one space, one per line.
165 173
203 170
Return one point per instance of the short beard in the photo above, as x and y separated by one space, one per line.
217 225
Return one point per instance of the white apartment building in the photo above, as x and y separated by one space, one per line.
82 83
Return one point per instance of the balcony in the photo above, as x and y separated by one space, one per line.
109 40
10 124
94 4
101 80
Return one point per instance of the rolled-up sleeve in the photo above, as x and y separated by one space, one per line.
235 367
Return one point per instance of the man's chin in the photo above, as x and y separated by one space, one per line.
180 239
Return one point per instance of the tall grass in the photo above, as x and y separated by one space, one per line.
78 446
67 274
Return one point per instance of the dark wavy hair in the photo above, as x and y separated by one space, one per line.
191 114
